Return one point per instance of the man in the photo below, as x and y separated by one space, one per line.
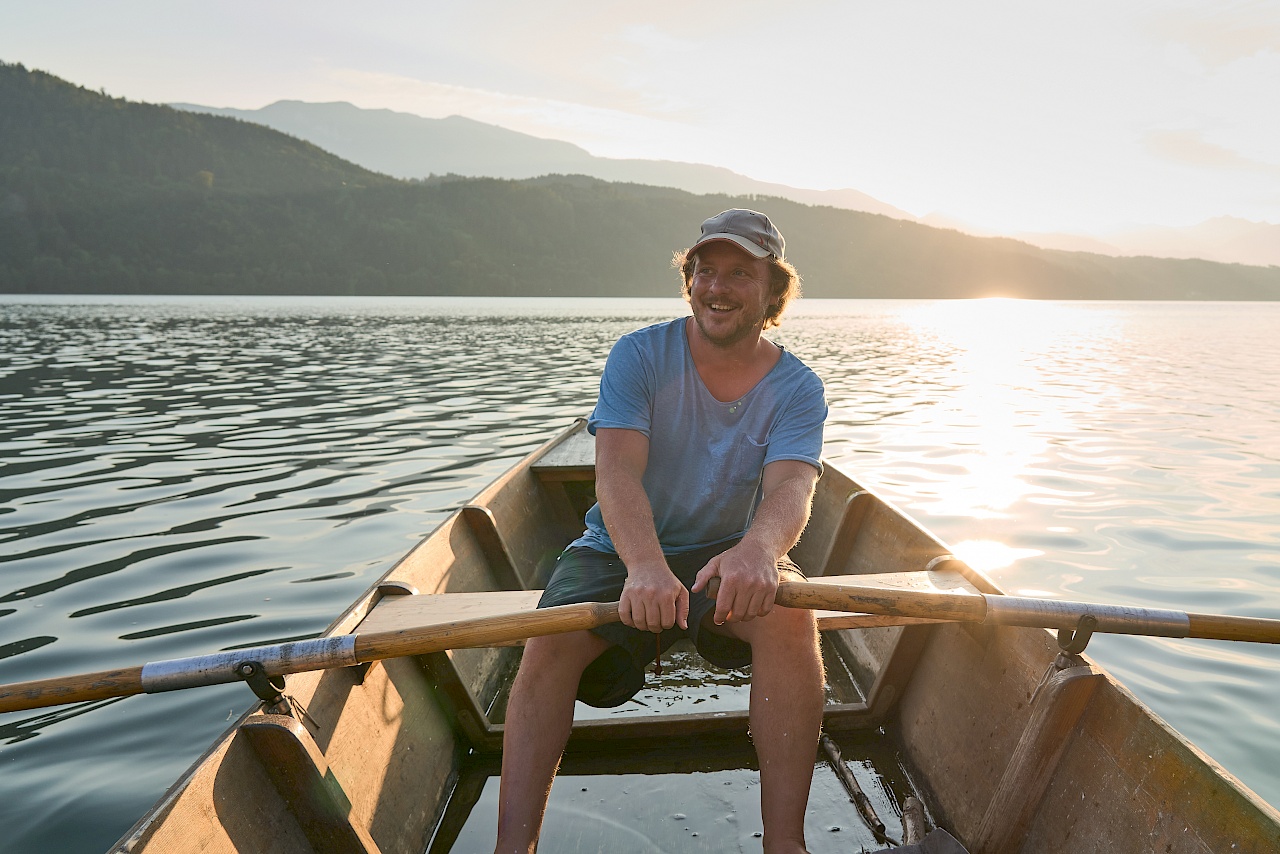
708 437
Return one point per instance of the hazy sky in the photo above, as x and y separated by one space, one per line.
1008 115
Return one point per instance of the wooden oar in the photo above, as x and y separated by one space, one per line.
300 656
844 595
1020 611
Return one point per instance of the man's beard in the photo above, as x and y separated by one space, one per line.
745 327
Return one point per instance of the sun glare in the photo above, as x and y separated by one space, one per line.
1002 355
990 555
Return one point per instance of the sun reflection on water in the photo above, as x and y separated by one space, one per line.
1003 357
990 555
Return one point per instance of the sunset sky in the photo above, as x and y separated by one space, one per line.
1011 116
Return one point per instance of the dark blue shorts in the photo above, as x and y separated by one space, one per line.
586 575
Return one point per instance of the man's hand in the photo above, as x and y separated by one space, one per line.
748 572
653 599
748 582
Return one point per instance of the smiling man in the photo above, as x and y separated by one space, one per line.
708 438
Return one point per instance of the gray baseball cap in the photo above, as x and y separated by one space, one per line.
750 230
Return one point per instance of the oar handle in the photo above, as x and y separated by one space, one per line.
888 602
817 595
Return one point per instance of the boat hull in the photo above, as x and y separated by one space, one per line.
385 759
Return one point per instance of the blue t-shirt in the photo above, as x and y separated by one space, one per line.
706 458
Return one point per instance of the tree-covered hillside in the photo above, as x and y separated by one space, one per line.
49 127
100 195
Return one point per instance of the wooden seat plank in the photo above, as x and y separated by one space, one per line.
576 454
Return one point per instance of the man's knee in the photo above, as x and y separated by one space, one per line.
571 651
792 622
791 629
799 621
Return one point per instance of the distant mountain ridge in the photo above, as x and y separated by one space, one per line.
1228 240
410 146
1225 238
103 195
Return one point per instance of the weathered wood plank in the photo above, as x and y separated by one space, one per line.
574 456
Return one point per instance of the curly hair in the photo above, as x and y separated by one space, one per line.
784 284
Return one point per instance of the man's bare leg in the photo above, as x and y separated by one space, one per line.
786 718
539 718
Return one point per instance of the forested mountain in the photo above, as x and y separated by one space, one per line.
50 128
100 195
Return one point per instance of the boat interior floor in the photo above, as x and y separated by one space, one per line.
692 793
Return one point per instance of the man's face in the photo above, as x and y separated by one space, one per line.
729 293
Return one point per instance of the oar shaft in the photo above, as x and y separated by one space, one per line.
1020 611
174 674
1219 627
1126 620
1064 614
71 689
300 656
345 650
485 631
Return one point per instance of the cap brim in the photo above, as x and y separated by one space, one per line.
742 242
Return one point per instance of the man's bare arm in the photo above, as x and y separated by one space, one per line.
748 571
652 598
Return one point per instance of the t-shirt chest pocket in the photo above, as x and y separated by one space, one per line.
745 460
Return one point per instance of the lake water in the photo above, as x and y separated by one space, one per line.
182 475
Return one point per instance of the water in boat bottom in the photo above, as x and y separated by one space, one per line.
686 799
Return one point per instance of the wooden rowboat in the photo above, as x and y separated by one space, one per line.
1012 743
